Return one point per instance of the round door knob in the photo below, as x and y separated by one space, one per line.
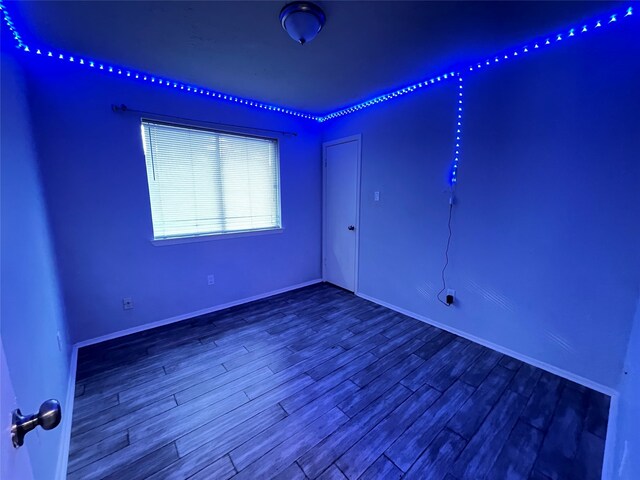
48 417
351 227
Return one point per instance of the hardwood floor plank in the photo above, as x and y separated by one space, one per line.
433 346
87 440
435 462
481 451
316 460
390 360
281 431
332 473
449 373
415 440
380 385
440 360
597 414
543 401
589 457
184 418
191 462
130 462
331 365
292 403
476 374
373 444
98 450
295 357
218 428
469 418
277 459
210 357
516 459
87 405
140 468
225 384
510 363
561 442
525 380
292 472
382 468
221 469
271 350
279 378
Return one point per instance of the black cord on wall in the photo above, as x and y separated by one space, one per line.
446 254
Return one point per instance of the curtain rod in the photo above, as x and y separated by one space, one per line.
122 108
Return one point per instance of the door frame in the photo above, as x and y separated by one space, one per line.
352 138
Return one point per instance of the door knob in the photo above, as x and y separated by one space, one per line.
351 227
48 417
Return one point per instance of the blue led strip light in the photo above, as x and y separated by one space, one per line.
9 22
545 42
145 77
492 60
387 96
453 175
168 83
540 44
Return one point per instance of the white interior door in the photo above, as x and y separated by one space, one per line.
341 211
14 462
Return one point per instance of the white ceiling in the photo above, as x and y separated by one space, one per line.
240 48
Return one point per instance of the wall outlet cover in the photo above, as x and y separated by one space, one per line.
211 280
127 303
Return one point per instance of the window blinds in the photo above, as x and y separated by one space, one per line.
203 182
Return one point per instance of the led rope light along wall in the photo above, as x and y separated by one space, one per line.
453 176
545 42
387 96
206 92
152 79
523 50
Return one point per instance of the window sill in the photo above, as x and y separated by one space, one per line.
216 236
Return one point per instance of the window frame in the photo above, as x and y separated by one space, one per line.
202 237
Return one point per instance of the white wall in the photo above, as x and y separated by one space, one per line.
544 256
96 189
31 309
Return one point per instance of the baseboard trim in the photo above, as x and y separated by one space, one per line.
498 348
186 316
67 418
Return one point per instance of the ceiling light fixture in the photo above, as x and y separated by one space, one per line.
302 20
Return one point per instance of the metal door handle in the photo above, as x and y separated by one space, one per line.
351 227
48 417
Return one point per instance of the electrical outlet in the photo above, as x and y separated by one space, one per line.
211 280
376 196
127 303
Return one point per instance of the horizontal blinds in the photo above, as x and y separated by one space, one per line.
203 182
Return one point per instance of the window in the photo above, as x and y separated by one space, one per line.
203 182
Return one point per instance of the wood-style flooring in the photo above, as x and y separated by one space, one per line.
319 383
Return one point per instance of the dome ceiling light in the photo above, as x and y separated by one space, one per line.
302 20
